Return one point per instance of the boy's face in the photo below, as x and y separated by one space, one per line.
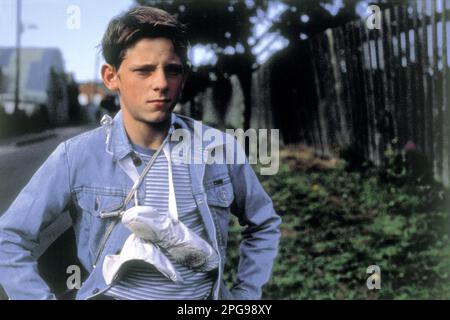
149 80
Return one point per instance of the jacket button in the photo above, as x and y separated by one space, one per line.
96 290
136 160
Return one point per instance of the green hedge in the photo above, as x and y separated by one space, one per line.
337 223
20 123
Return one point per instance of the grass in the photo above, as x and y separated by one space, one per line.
337 222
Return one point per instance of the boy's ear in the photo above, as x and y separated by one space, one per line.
109 77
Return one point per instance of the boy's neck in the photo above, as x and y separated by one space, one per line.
148 135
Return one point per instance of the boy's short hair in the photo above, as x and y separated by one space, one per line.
142 22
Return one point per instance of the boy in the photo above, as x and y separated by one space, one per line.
93 175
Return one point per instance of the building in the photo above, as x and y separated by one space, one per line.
43 83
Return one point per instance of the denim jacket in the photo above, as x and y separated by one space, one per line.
84 175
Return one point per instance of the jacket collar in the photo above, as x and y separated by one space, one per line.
119 145
117 142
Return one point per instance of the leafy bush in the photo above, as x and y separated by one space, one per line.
20 123
336 223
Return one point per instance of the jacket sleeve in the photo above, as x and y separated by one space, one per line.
39 204
260 238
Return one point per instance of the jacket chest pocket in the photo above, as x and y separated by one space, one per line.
91 203
220 196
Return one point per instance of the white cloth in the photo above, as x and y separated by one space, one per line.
184 245
136 248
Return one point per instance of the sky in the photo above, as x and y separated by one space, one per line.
77 26
55 25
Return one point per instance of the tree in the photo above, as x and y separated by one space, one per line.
2 81
229 23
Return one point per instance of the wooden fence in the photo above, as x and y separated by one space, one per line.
382 88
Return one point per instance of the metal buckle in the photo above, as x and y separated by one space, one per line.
110 214
113 212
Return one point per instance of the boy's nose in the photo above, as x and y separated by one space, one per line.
159 80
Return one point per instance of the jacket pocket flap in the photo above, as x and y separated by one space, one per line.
95 201
221 194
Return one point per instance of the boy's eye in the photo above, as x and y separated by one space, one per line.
172 70
143 70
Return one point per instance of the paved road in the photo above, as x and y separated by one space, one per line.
20 157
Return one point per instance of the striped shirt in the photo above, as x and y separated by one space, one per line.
141 281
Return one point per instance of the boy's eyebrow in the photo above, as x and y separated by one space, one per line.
152 66
141 66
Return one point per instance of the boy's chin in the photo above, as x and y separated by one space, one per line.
158 118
